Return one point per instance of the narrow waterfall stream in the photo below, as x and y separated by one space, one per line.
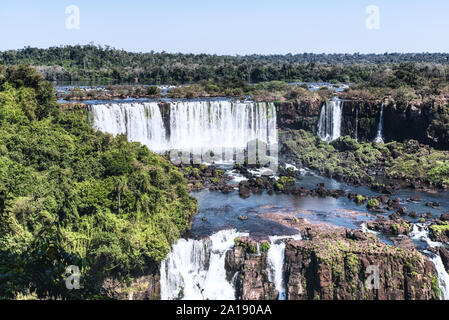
275 262
379 136
329 124
443 277
420 232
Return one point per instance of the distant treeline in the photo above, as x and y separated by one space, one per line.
90 63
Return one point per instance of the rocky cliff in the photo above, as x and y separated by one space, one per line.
425 122
300 114
146 287
248 269
335 265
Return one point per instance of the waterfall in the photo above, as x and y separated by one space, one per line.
379 135
141 122
443 276
275 262
220 124
193 125
194 269
420 232
356 123
329 124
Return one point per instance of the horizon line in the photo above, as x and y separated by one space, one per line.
103 46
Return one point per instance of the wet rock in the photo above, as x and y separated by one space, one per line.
357 198
383 198
426 215
303 192
415 185
321 190
301 114
402 211
227 189
331 264
337 193
250 271
356 235
381 188
352 196
415 199
394 204
244 189
316 269
413 214
395 216
146 287
373 204
444 217
243 218
433 204
377 210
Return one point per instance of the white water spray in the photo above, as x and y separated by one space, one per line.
329 124
194 269
195 126
443 276
379 136
420 232
141 122
275 262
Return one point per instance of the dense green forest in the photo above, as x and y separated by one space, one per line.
73 196
96 64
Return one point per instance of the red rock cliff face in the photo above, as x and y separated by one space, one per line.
333 265
426 122
249 271
325 271
301 114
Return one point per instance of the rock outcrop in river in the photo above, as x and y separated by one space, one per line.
335 264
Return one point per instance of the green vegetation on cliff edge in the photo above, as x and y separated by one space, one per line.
346 159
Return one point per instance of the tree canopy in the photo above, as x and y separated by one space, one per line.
96 64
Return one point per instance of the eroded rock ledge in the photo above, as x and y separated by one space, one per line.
332 264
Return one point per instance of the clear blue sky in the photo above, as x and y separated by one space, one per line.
230 26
